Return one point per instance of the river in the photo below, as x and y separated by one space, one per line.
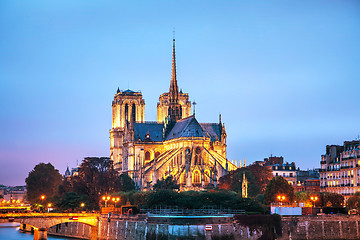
10 231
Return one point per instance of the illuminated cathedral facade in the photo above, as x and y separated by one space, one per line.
176 145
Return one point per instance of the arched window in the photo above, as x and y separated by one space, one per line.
196 177
133 114
126 111
197 160
157 154
147 156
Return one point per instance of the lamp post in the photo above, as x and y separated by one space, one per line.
115 200
313 199
42 197
49 206
281 198
106 198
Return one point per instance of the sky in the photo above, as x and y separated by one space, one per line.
284 75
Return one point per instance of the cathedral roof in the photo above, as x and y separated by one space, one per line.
190 127
213 129
153 129
186 127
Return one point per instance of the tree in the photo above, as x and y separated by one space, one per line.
305 197
262 176
353 202
168 183
233 181
125 183
44 179
278 186
72 200
96 177
334 200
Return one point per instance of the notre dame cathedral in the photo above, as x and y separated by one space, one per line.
176 144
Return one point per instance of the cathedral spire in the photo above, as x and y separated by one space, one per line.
174 110
174 90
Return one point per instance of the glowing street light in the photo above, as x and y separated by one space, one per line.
281 198
82 205
42 197
49 206
115 200
106 198
314 199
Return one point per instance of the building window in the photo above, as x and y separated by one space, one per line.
291 174
147 156
196 177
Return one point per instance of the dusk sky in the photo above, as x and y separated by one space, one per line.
285 75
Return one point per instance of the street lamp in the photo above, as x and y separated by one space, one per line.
49 206
42 197
106 198
314 199
82 205
115 200
281 198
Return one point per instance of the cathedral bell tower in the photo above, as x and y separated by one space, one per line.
128 108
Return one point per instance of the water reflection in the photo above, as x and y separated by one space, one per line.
10 231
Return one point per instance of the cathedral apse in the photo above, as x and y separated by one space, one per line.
176 145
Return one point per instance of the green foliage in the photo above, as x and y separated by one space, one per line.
262 176
233 182
125 183
304 197
279 186
193 200
96 177
44 179
353 203
72 200
331 200
168 183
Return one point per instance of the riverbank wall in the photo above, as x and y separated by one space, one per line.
238 227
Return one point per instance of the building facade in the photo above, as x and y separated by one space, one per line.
279 168
340 168
176 145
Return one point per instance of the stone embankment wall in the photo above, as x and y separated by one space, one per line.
321 227
299 227
174 228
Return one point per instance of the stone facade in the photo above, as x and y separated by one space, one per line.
340 168
176 145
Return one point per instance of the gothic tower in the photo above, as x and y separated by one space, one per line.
128 107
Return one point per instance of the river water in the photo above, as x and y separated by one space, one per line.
10 231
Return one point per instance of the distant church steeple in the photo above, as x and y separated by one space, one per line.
174 110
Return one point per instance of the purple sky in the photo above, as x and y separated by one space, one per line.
283 74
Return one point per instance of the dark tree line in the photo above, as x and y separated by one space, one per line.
95 177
